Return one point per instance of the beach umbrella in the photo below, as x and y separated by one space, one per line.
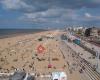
49 65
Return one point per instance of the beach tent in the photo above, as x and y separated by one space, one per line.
63 76
59 76
55 75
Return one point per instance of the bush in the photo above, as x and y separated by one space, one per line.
40 39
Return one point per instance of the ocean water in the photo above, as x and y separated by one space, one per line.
4 33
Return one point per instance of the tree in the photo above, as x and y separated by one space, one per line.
87 32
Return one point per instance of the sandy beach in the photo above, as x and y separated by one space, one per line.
20 52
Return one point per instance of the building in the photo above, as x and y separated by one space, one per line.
94 32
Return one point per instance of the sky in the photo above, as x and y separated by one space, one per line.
49 13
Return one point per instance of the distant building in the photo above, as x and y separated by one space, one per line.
79 30
99 32
94 32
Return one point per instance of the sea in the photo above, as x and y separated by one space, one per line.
5 33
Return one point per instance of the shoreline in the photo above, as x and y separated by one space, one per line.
20 34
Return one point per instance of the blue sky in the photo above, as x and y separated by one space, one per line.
48 13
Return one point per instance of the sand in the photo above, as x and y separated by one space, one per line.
20 52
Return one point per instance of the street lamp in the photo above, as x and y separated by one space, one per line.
97 56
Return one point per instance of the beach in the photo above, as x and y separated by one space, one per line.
23 52
20 52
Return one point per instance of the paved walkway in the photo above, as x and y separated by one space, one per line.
91 46
84 54
72 72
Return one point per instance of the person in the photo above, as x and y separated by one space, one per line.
81 71
83 67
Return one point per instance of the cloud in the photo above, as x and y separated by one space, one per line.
88 15
43 5
95 1
18 5
91 17
50 15
14 4
60 15
54 11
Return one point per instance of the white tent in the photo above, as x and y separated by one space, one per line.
59 76
63 76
